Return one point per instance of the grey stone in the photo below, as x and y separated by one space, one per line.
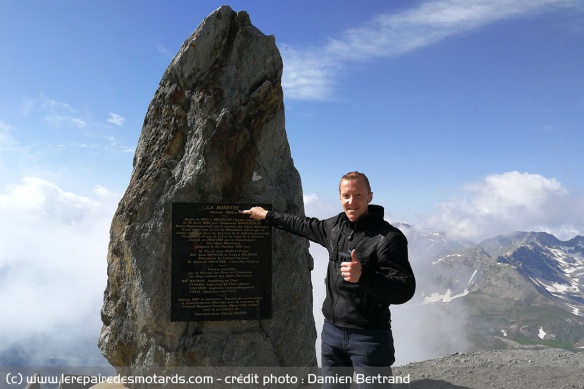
214 132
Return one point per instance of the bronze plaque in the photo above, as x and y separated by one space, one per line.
221 263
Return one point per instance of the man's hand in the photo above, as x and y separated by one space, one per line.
255 213
351 271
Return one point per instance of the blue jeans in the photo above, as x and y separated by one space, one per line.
365 352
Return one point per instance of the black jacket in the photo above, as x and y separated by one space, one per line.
387 276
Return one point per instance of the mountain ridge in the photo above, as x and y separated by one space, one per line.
519 288
554 267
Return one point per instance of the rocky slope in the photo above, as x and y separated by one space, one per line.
519 367
554 267
524 367
523 288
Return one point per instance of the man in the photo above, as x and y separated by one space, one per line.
368 271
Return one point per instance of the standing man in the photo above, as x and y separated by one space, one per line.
368 271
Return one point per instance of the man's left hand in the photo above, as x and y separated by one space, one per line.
351 271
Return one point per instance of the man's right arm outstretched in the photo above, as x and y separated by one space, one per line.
310 228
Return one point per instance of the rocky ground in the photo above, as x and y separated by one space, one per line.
519 367
522 367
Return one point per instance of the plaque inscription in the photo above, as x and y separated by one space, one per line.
221 263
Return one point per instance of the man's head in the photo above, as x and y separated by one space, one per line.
355 194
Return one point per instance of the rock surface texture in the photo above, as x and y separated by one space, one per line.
214 132
525 367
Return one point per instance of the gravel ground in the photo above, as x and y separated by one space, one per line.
519 367
524 367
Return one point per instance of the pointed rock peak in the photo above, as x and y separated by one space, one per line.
214 133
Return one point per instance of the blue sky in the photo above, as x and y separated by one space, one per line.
467 115
425 97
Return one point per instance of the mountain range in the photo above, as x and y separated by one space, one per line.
520 288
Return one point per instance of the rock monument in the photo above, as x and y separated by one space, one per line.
214 132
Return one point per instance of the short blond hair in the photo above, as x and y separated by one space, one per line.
353 176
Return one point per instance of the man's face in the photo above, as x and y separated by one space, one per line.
355 198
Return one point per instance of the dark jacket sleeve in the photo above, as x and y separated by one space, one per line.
394 282
311 228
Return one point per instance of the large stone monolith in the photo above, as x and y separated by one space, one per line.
214 132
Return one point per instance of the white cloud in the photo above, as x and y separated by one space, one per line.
163 50
85 145
309 74
7 147
116 119
508 202
395 34
5 137
60 114
310 198
52 261
314 207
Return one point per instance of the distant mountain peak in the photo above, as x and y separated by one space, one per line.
554 267
523 286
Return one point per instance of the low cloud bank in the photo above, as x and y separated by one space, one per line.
52 268
508 202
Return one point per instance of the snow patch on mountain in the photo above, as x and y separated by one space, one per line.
445 298
570 266
447 257
448 297
555 267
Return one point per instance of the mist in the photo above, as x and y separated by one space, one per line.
52 272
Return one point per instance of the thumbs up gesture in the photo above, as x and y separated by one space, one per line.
351 271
